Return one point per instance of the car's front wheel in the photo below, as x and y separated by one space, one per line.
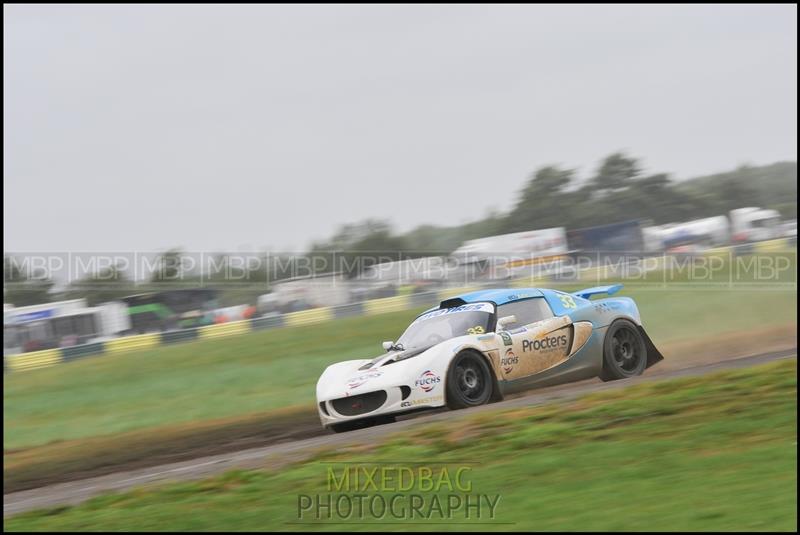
624 351
469 381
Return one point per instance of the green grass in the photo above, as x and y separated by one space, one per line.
680 314
266 370
716 452
193 381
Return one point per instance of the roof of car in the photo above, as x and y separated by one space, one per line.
500 296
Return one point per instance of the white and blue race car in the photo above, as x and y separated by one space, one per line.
477 347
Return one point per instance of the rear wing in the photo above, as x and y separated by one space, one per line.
597 290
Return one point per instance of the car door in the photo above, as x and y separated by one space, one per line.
534 343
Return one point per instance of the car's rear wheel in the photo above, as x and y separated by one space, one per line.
624 351
469 381
352 425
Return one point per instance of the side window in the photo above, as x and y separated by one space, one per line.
527 311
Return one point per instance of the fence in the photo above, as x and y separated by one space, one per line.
51 357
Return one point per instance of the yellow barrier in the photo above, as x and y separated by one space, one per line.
141 341
720 249
33 360
224 329
772 246
387 304
308 317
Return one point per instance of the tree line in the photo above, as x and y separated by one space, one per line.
553 196
618 190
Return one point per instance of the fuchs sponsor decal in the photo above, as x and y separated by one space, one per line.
355 382
509 361
547 343
421 401
427 381
506 338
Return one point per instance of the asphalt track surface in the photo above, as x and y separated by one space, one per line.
277 455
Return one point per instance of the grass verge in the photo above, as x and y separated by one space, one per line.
71 460
184 383
716 452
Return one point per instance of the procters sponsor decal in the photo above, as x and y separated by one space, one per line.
509 361
427 381
546 343
355 382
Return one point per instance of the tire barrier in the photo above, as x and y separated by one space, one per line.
386 304
308 317
346 311
34 360
266 322
83 350
184 335
774 246
50 357
223 329
130 343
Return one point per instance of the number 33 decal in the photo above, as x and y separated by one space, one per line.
567 301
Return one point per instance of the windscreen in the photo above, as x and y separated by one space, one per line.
442 324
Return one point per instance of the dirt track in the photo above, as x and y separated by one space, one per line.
276 455
64 461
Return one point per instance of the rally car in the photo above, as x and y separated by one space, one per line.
475 348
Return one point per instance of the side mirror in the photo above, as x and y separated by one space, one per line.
388 345
503 322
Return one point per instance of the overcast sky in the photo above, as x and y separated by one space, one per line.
243 127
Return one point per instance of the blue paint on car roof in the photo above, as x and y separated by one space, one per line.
500 296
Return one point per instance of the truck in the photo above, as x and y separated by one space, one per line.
61 324
752 224
741 225
515 248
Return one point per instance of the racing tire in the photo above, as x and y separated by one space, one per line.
469 381
361 424
624 351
